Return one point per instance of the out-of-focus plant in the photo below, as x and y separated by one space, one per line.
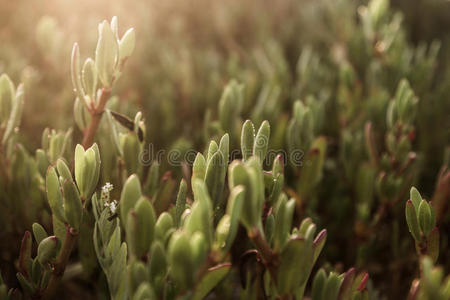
349 285
356 113
433 284
421 220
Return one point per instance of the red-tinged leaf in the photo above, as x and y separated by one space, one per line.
318 243
25 254
363 283
414 291
413 222
345 291
433 244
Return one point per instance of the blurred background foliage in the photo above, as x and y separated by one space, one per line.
317 51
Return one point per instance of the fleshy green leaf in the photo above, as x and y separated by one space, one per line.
211 279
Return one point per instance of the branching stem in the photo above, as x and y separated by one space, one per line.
61 262
269 257
96 113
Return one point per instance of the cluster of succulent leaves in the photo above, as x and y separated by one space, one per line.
246 225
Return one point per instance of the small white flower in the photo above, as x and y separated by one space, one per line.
112 206
108 187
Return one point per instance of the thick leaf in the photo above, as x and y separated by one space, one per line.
180 205
332 287
140 227
215 177
131 193
181 260
163 226
73 209
199 167
63 169
296 262
106 54
16 113
234 209
433 244
47 250
416 198
247 139
425 218
126 44
39 232
158 260
7 96
211 279
318 285
54 194
89 77
411 219
262 141
25 254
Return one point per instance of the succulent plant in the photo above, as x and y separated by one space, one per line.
289 163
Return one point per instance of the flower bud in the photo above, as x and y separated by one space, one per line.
87 169
106 54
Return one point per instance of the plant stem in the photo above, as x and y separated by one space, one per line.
61 262
370 144
96 116
269 257
209 263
